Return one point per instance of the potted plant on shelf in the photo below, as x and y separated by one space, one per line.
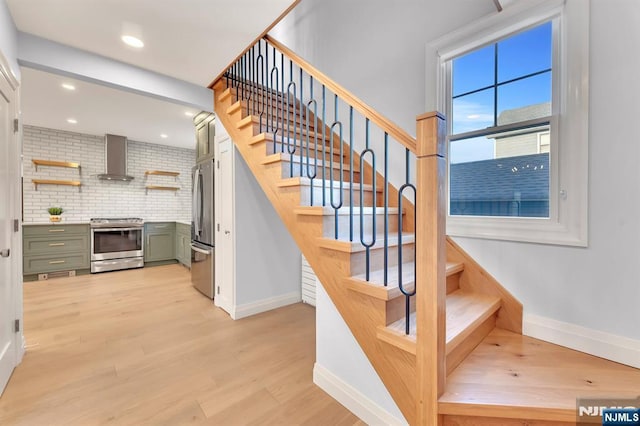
55 214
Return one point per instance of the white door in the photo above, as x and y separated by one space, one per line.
225 286
8 285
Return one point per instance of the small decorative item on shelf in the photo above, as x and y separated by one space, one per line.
55 214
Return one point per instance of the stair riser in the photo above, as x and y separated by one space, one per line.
328 225
376 257
294 169
272 124
280 148
396 307
261 97
346 196
299 134
292 111
291 116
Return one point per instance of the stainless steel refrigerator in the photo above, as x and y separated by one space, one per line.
202 229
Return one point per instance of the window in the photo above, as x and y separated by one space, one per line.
500 103
517 109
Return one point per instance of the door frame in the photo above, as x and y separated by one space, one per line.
9 80
227 304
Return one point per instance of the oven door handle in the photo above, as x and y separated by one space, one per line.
199 250
116 229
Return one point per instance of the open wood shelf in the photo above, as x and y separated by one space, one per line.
161 173
37 182
161 188
52 163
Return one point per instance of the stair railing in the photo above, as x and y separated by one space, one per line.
291 99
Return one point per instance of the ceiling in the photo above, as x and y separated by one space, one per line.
189 40
99 110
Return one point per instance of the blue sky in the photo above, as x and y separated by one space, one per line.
525 53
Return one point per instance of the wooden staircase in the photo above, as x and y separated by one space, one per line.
458 306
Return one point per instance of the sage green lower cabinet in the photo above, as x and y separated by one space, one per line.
159 241
54 248
183 244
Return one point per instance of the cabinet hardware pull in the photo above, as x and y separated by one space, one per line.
54 262
55 244
56 230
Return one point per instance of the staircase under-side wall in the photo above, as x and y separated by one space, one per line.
443 335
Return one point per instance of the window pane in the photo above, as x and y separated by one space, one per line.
512 181
473 112
525 53
473 71
525 99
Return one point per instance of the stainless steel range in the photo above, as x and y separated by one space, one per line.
116 244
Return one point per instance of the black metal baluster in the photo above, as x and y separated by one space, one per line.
351 173
370 244
291 149
301 101
336 123
276 72
407 294
386 209
324 147
281 96
268 102
248 83
313 102
262 98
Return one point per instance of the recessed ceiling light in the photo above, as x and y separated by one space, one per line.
72 121
163 136
188 113
132 41
68 86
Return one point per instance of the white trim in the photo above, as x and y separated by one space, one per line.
352 399
605 345
568 221
264 305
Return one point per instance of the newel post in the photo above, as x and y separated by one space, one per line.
430 265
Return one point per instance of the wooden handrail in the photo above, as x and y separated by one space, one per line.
385 124
262 34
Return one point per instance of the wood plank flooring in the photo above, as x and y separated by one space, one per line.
510 375
142 347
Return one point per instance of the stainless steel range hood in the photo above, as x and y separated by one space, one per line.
115 153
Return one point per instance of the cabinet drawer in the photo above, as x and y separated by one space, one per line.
160 227
56 245
49 230
47 263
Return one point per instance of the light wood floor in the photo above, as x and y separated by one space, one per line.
142 347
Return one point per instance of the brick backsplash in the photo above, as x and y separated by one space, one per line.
98 198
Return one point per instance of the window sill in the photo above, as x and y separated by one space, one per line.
527 230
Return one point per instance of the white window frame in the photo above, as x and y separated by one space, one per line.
568 185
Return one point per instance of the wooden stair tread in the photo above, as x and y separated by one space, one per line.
330 211
513 376
355 246
268 137
375 286
465 312
317 182
286 157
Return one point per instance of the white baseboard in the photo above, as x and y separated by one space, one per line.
352 399
609 346
264 305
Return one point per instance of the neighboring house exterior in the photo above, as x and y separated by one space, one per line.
525 141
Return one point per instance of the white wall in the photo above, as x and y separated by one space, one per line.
267 258
597 287
376 49
99 198
9 38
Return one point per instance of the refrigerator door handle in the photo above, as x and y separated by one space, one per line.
199 250
195 202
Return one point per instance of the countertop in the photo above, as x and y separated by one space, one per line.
184 222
